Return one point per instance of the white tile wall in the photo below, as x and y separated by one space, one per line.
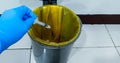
8 4
78 6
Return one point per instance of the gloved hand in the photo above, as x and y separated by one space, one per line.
14 23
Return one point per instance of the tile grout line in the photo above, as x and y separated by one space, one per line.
30 56
96 47
112 40
19 49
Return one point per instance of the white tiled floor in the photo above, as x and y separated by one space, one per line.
95 55
15 56
114 31
96 44
93 36
25 42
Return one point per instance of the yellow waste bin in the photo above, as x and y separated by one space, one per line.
54 45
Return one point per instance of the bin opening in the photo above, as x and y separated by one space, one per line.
65 26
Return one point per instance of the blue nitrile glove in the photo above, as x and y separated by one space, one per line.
14 23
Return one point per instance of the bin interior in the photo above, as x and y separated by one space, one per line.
65 25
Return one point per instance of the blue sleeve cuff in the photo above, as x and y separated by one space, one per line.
1 48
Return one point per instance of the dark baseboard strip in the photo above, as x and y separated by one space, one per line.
100 19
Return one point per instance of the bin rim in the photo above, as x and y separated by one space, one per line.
54 44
